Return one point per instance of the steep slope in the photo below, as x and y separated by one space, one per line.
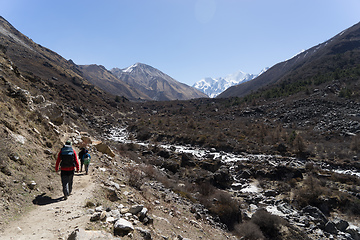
155 83
101 77
42 71
340 53
42 97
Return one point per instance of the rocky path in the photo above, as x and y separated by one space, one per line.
53 217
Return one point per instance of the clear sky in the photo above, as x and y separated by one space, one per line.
186 39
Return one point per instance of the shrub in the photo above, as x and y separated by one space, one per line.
222 205
268 223
248 231
311 193
135 177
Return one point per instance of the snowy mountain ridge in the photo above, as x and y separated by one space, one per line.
214 86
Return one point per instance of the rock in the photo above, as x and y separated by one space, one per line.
115 213
270 193
316 214
38 99
95 217
284 173
103 216
170 165
99 209
144 233
164 154
143 214
48 152
110 219
122 227
223 178
54 113
341 224
32 185
81 234
354 232
244 174
102 147
135 209
330 227
211 165
187 160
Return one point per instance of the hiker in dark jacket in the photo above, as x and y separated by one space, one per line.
68 161
81 154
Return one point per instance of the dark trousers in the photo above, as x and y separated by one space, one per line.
67 181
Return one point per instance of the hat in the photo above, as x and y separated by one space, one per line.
68 142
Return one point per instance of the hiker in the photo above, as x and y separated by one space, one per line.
86 159
81 154
68 161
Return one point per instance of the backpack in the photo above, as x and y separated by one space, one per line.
67 157
86 159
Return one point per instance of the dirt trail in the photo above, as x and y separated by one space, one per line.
53 217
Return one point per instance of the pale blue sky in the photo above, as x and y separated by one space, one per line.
186 39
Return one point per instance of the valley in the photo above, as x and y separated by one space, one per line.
276 157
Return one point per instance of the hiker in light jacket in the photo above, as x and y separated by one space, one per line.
86 160
68 161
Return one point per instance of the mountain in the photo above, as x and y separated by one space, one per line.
104 79
214 86
290 145
324 62
41 71
156 84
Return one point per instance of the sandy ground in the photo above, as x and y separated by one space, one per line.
54 217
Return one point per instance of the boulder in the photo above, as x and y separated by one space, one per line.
164 154
316 214
142 214
341 224
285 173
187 160
330 228
223 178
135 209
102 147
211 165
354 232
170 165
122 227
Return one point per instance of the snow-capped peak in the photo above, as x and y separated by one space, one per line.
214 86
131 68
